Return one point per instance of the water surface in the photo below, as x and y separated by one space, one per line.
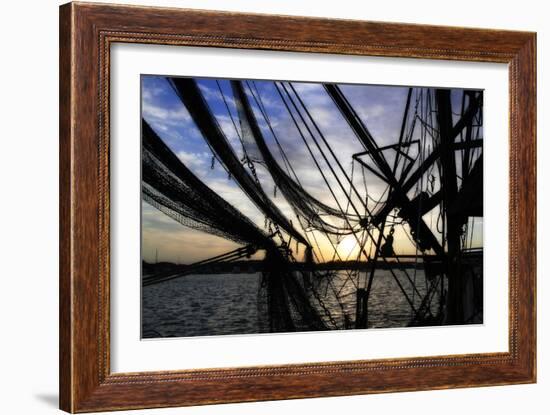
217 304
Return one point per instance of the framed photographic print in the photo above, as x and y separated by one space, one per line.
261 207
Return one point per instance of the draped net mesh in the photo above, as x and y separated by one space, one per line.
173 189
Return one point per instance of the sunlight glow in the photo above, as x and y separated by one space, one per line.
348 246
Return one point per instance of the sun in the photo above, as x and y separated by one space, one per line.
346 246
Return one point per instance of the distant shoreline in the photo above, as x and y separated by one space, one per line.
254 266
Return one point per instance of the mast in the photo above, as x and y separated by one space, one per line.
450 190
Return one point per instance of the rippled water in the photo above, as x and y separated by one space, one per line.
200 305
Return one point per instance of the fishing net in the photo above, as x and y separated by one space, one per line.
190 95
304 204
173 189
289 305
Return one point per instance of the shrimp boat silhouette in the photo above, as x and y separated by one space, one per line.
433 169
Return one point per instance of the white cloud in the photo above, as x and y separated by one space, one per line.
167 115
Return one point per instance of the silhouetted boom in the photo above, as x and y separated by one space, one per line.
407 182
423 235
178 271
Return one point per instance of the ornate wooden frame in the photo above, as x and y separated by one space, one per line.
86 33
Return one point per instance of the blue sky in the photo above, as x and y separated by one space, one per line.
380 107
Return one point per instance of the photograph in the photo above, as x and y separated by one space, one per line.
272 206
296 207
